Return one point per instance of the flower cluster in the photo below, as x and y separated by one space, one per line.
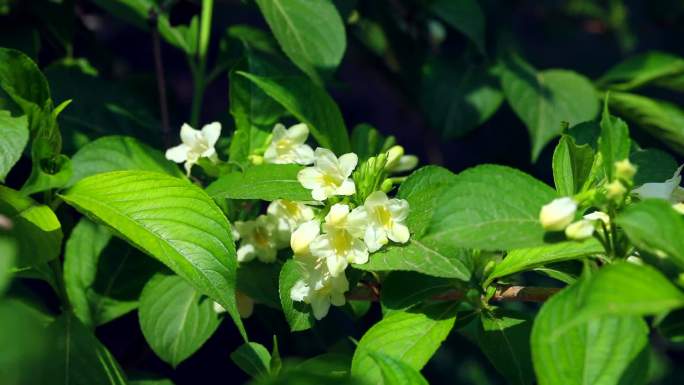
350 214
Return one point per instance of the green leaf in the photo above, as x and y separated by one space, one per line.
642 69
175 319
614 142
170 219
424 253
546 99
504 338
14 135
310 32
593 352
458 96
47 171
366 141
491 207
571 166
267 182
410 337
395 372
253 358
653 225
150 381
103 276
653 166
659 118
297 314
8 251
464 15
21 79
642 290
35 227
520 260
118 153
310 104
672 326
78 358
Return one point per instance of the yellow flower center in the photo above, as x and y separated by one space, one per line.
292 209
341 241
330 180
261 237
283 145
383 216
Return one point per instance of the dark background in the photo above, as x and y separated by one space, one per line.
549 34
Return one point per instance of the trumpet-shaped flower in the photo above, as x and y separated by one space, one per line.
669 190
289 145
319 288
329 175
195 144
258 238
338 246
558 214
289 215
383 219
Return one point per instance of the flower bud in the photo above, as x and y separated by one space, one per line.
598 216
580 230
557 214
386 185
245 304
615 190
393 155
625 170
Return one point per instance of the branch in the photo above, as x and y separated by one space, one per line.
503 293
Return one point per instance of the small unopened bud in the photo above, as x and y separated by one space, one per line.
256 159
393 155
557 214
580 230
615 190
625 170
679 207
386 185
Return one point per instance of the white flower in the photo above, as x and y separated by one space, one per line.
196 144
303 236
289 145
580 230
598 216
668 190
383 218
259 239
398 162
320 289
329 175
289 215
338 246
557 214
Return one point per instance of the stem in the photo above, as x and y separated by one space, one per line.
199 73
502 293
161 84
56 266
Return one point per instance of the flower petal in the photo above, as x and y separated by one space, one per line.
320 194
298 133
399 233
336 264
348 163
398 208
320 306
246 253
376 198
303 236
303 154
211 133
326 161
300 291
347 188
188 135
310 178
375 238
178 154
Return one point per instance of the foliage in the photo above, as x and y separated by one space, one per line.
337 239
